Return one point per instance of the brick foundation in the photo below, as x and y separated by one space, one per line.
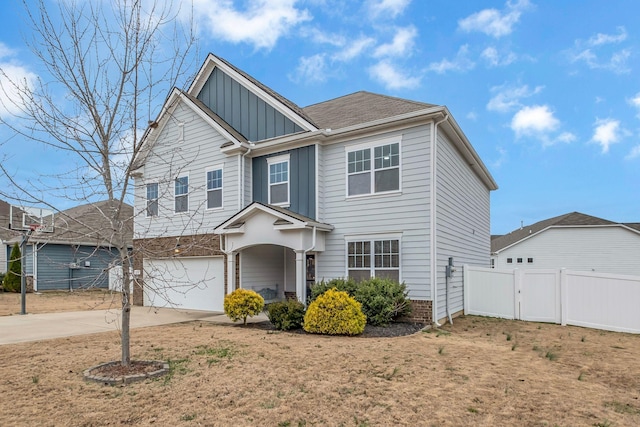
173 247
420 313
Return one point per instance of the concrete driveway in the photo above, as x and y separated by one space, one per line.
37 327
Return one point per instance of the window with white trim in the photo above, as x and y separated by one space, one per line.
373 170
214 189
181 194
373 258
152 199
279 180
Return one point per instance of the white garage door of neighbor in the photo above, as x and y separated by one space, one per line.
189 283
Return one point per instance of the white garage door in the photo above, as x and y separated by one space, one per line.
191 283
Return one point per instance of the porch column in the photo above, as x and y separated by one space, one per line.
231 272
301 278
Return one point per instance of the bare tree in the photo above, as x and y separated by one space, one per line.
106 67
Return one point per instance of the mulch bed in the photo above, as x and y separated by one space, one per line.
393 329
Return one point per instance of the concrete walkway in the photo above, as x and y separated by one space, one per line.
37 327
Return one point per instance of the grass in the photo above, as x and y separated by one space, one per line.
188 417
551 355
622 408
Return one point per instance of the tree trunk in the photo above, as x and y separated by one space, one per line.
126 313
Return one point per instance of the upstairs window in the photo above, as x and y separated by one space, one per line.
279 180
214 189
373 170
152 199
181 194
374 258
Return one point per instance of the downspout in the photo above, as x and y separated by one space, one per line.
432 221
241 175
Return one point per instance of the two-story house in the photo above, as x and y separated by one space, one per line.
239 187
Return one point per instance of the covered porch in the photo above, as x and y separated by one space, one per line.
271 250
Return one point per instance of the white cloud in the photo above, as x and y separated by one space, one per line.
261 23
593 52
402 44
508 98
537 120
14 78
635 101
387 8
606 133
600 39
494 59
393 78
502 158
634 153
311 69
566 137
493 22
321 37
354 49
460 63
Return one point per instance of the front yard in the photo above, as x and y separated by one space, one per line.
477 372
56 301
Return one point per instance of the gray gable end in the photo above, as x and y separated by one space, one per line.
243 110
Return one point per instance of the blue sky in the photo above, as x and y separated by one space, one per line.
546 91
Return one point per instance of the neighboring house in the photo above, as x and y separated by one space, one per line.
574 241
76 252
6 234
237 186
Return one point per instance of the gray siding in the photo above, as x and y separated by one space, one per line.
243 110
193 156
302 191
405 212
54 272
605 249
264 267
462 222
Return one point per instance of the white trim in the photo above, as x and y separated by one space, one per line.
317 180
372 238
371 146
285 158
187 194
146 199
206 187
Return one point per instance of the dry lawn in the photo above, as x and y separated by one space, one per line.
478 372
56 301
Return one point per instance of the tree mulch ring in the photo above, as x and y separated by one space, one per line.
112 373
393 329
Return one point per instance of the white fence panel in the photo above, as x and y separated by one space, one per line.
601 301
492 292
589 299
540 295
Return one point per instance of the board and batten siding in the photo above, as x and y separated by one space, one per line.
302 177
606 249
190 151
405 213
243 110
462 222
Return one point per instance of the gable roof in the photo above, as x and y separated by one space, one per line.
572 219
87 224
360 107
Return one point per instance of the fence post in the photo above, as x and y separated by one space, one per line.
465 287
517 286
564 297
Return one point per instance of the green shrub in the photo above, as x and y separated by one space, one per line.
334 313
12 280
382 300
242 303
346 285
286 315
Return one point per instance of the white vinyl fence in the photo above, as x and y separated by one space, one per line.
589 299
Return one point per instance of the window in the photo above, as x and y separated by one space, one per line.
379 258
152 199
493 263
279 180
530 260
509 260
382 175
182 194
214 189
519 260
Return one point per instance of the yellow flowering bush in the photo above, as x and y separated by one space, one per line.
243 303
334 313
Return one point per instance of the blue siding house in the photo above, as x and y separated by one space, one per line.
76 254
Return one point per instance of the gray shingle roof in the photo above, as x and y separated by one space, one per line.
360 107
570 219
88 224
